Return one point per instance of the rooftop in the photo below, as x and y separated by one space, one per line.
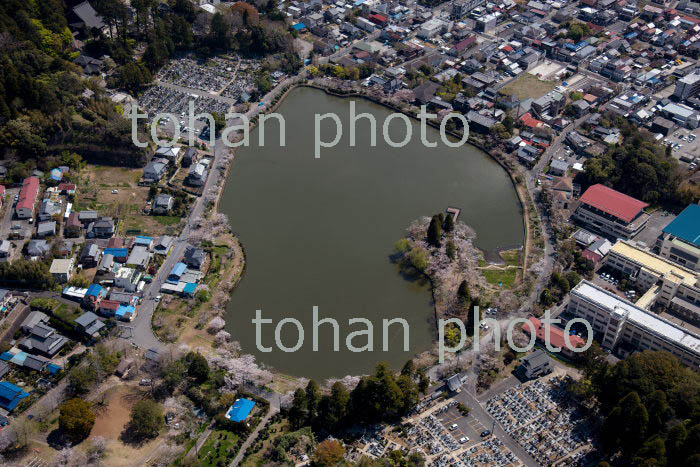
613 202
655 324
655 263
687 225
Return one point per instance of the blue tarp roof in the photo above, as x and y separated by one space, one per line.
6 356
123 310
190 288
143 240
53 368
299 26
11 395
117 252
94 290
19 358
687 225
240 410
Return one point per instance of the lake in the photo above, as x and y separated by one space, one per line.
319 232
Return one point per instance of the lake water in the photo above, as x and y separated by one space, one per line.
319 232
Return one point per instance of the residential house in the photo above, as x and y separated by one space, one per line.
106 264
120 255
37 248
197 175
558 168
195 257
189 157
87 217
164 244
162 204
536 364
73 225
90 256
155 170
124 298
11 395
169 153
89 324
101 228
27 198
108 307
62 269
139 257
5 249
46 229
94 294
49 209
127 278
176 273
43 340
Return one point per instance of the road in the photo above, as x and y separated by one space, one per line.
142 333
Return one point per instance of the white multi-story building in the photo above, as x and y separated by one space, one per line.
624 327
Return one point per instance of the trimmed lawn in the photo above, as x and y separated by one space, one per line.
66 313
496 276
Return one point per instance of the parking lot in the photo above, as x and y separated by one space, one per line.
685 144
544 420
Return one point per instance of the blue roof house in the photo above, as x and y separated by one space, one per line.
11 395
95 290
190 289
177 272
240 410
144 240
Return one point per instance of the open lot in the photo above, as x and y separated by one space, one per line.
115 196
528 86
546 69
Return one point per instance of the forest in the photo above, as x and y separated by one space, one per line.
650 408
47 107
639 167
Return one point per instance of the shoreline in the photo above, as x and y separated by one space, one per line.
278 100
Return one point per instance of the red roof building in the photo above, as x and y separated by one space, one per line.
378 19
27 198
556 336
613 202
611 213
67 188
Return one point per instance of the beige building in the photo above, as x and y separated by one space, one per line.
665 283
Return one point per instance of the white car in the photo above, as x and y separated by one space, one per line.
464 439
115 192
453 427
158 297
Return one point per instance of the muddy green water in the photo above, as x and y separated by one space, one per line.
319 232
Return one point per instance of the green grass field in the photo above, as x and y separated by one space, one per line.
496 276
220 449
